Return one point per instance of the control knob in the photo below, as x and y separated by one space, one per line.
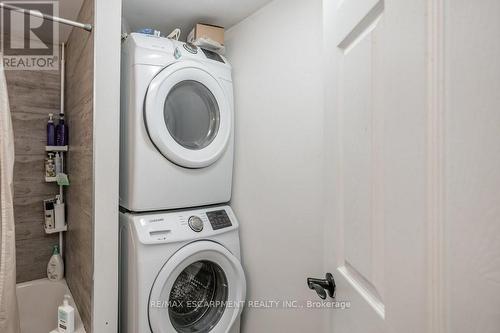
195 223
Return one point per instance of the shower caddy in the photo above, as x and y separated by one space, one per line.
62 150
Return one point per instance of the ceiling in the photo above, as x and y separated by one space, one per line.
166 15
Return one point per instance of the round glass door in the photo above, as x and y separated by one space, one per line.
188 115
198 298
200 289
192 115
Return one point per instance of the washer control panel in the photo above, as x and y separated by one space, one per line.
219 219
182 225
195 223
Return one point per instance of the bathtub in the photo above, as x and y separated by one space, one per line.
38 301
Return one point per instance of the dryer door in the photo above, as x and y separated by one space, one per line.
201 288
188 116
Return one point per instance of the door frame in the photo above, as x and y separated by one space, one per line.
436 167
106 147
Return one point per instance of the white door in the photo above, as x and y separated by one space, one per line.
377 117
188 116
414 157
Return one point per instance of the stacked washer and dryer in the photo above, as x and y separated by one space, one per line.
179 243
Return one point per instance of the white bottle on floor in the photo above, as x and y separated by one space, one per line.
55 268
66 317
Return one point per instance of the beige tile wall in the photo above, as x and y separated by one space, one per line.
32 96
79 108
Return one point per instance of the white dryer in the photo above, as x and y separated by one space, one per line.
176 125
181 272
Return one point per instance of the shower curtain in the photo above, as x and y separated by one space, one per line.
9 317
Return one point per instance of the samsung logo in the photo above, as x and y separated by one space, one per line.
156 220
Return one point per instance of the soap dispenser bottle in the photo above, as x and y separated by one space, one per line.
59 213
66 317
55 268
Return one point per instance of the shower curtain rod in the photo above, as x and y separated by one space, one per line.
84 26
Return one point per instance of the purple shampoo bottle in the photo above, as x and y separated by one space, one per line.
51 131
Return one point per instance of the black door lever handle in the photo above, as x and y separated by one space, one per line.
319 290
323 286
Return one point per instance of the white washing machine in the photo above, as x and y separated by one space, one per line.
181 272
176 125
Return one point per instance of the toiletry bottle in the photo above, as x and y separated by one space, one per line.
48 206
51 131
66 316
58 163
50 166
59 214
55 268
61 131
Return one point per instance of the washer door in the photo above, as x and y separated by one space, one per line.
201 288
188 116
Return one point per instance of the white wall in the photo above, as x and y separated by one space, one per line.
278 176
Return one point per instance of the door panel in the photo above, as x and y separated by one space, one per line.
361 22
376 110
357 157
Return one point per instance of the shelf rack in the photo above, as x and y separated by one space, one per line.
54 149
61 149
54 230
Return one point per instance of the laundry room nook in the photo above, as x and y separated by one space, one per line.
253 166
243 150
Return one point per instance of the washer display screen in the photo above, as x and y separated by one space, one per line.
219 219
